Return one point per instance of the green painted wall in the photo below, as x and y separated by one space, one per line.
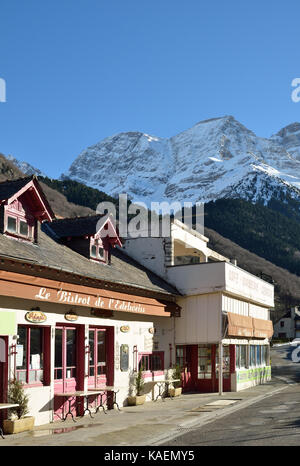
7 323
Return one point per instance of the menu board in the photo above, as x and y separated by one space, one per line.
124 358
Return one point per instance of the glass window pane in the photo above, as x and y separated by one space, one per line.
92 346
258 355
155 362
237 356
12 224
101 253
93 251
144 363
58 350
100 370
243 353
24 230
21 348
101 347
21 376
204 361
71 347
58 374
253 355
36 348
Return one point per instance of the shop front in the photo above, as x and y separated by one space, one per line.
56 349
215 321
75 313
200 367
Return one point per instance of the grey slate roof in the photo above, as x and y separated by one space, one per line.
78 226
11 187
48 253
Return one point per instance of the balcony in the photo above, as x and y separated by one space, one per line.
212 277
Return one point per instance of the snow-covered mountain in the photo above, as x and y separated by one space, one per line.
215 158
25 167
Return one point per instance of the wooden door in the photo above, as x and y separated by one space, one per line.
186 358
3 375
66 367
226 368
98 367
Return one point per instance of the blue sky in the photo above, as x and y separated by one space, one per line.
78 71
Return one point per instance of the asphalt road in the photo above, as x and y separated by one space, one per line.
274 421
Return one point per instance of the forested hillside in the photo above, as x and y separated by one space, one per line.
266 232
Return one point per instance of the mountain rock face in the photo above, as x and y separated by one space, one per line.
215 158
25 167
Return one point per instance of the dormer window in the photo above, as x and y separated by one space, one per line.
93 236
94 251
101 253
11 224
24 228
22 206
18 227
97 252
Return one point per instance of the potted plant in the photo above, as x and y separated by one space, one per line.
138 385
19 422
176 390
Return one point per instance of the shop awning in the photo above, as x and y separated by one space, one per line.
245 326
262 328
239 326
52 291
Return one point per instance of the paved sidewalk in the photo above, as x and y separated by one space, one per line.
150 424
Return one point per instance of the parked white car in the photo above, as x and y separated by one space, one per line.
295 342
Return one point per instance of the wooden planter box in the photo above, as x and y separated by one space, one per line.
18 425
175 391
136 400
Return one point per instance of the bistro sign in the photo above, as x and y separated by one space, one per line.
68 297
71 316
35 316
101 300
98 302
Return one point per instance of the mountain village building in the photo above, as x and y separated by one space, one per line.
224 310
288 326
80 311
75 317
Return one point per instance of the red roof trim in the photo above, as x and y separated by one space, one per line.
114 240
46 213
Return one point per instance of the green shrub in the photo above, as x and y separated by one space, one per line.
16 395
177 375
139 382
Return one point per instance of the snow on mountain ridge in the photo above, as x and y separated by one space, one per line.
25 167
212 159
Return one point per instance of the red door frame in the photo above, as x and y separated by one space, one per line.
188 365
108 378
4 379
74 383
190 381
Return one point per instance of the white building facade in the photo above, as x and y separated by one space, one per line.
225 310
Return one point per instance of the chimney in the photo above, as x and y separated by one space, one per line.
293 312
